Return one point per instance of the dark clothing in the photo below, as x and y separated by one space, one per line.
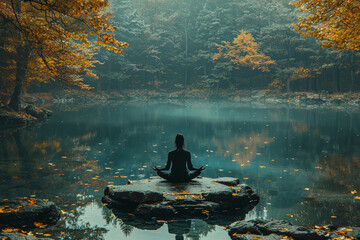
178 179
179 161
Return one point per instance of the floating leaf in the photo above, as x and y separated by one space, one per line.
39 225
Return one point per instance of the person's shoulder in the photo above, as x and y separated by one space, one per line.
187 152
172 152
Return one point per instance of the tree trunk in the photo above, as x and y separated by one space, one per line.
22 60
186 54
337 80
2 52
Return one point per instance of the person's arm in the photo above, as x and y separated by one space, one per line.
189 163
168 164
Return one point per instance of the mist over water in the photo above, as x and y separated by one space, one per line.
303 163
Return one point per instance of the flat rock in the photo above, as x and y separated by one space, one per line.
279 229
25 211
201 198
259 237
17 236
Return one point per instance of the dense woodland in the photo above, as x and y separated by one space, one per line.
173 43
176 45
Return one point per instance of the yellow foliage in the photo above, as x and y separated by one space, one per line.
300 73
244 51
58 34
336 23
276 85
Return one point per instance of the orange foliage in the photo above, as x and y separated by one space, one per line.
276 85
58 36
244 52
336 23
300 73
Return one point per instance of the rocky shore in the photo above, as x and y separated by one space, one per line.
347 101
282 230
27 116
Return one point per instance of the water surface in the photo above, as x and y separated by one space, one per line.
303 163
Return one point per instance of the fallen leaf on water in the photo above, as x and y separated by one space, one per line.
39 225
31 202
9 230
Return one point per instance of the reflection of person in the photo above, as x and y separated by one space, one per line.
178 159
179 228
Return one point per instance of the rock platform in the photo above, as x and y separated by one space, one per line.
26 212
142 203
17 236
281 230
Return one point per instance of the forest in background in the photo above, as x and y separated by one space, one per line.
173 45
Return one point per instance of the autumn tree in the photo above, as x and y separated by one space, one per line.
56 40
336 23
244 52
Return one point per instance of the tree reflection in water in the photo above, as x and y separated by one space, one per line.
71 158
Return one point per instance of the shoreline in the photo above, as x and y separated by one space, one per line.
306 100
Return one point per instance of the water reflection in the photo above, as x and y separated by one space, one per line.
303 163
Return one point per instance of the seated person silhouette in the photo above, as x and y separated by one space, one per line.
178 159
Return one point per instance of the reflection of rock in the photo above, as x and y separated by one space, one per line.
20 212
278 229
17 236
203 198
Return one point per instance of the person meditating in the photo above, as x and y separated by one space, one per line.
178 159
